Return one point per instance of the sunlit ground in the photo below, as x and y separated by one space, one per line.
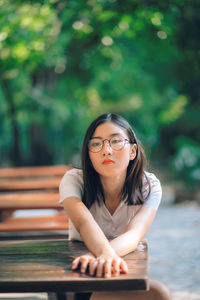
174 255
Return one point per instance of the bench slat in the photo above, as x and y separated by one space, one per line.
36 184
34 171
59 222
29 201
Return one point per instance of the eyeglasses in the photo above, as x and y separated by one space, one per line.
117 143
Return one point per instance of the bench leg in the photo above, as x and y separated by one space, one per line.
157 291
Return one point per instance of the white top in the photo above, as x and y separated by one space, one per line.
112 225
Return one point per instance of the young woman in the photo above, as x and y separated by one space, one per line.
112 201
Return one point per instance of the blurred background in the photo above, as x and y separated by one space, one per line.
62 63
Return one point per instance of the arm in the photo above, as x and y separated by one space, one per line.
141 223
85 224
135 231
95 240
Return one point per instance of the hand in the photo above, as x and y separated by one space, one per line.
83 262
106 266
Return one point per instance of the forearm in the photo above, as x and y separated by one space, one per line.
134 233
87 227
125 243
95 240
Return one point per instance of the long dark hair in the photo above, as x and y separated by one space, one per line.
133 186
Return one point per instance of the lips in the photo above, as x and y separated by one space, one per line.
108 162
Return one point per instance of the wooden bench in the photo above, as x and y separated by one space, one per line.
26 188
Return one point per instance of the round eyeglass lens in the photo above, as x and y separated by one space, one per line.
117 142
95 145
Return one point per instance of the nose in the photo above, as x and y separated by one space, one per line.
106 150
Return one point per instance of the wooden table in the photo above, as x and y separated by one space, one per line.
45 266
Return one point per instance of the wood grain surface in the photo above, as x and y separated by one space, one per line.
45 266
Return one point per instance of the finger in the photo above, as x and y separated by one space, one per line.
84 263
92 267
100 267
116 267
107 268
124 267
75 263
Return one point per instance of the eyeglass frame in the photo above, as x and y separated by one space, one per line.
102 143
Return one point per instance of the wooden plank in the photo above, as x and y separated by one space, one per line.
45 266
35 184
57 170
31 200
59 222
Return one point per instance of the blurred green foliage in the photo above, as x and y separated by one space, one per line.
62 63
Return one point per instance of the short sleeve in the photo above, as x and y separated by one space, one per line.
154 198
71 185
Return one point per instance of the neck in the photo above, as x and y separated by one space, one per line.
112 187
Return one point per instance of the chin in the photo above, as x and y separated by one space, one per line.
110 173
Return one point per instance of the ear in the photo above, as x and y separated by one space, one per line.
133 152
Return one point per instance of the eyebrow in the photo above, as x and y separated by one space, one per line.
99 137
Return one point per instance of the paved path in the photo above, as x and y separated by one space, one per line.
174 250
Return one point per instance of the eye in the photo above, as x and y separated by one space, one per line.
95 143
116 140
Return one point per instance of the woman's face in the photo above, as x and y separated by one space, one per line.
109 162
